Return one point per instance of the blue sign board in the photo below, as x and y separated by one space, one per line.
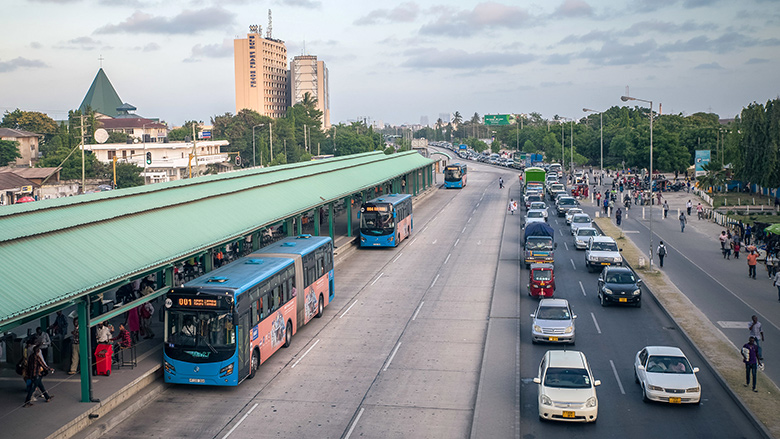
702 158
462 146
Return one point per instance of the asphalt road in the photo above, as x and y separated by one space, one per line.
431 339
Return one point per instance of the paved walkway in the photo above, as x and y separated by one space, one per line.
65 415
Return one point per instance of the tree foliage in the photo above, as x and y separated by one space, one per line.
9 152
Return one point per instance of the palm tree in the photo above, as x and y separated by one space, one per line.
475 124
457 118
715 176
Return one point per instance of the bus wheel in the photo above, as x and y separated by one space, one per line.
320 306
254 364
288 335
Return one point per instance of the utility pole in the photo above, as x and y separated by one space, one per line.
83 173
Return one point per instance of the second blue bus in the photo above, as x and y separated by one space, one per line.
455 175
386 221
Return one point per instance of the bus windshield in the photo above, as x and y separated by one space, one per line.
200 335
377 220
452 174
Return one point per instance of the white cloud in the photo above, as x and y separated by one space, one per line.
187 22
20 63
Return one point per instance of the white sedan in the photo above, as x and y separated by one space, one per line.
535 215
665 375
571 212
567 390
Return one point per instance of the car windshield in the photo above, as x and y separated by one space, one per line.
537 205
536 214
538 243
581 219
567 378
586 232
668 364
567 202
620 278
604 247
542 274
553 313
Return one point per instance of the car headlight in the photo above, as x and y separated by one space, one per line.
537 328
591 402
545 400
569 329
692 390
169 368
227 370
607 291
656 388
637 292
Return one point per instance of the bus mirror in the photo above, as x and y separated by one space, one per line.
395 214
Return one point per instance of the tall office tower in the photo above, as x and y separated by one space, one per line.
445 117
307 75
424 120
261 73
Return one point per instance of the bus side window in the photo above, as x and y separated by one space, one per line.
264 301
258 311
277 300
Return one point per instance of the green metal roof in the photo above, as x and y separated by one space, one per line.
101 96
52 251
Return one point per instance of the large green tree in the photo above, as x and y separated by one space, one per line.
9 151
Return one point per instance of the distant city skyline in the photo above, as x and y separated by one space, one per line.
396 63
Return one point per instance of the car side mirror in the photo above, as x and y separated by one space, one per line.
638 281
597 383
620 249
537 380
533 315
695 370
574 316
640 367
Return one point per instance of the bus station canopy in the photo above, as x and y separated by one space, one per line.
53 252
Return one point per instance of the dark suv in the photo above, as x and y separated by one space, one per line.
564 204
619 285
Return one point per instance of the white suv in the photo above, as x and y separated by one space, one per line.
602 251
567 390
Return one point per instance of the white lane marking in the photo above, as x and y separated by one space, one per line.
397 257
448 258
464 230
424 229
617 377
566 245
435 218
479 242
434 241
350 307
357 418
583 289
434 281
556 222
240 421
469 219
413 241
595 323
630 231
572 264
732 325
456 242
477 205
304 354
418 310
392 356
383 273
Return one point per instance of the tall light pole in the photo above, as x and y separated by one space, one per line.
254 154
629 98
571 143
563 155
601 118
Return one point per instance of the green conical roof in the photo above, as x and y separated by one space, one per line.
101 96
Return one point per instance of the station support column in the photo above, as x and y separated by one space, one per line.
317 221
288 226
348 202
85 359
299 224
330 221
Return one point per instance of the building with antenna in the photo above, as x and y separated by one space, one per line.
261 72
307 75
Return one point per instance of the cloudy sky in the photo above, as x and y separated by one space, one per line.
397 61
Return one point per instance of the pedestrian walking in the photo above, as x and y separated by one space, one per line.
661 253
722 238
776 283
133 322
35 371
618 216
756 332
752 260
737 246
683 222
147 311
606 204
750 358
700 211
74 353
748 234
500 183
727 248
688 207
60 325
512 206
666 208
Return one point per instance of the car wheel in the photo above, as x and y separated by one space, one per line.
254 364
590 269
644 395
636 377
288 335
320 307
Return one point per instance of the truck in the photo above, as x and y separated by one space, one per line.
539 244
534 175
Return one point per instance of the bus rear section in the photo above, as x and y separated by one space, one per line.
455 176
386 221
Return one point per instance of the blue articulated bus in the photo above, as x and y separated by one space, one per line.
386 221
220 327
455 175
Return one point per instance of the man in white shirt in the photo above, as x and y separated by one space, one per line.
104 333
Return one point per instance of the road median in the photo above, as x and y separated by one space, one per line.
723 357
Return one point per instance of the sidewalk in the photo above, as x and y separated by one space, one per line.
65 416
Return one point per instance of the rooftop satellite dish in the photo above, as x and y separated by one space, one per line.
101 135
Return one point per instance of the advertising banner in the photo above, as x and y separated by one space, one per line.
702 158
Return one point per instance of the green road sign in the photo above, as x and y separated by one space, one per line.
499 119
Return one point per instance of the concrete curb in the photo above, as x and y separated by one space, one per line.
718 377
105 406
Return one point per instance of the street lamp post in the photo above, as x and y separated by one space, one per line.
254 154
571 144
601 120
563 155
629 98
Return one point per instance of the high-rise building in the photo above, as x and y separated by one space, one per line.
307 75
261 73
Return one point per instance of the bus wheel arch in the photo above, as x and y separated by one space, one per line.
288 334
254 363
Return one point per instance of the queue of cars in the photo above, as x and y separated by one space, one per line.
566 385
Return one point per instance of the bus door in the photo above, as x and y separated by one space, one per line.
242 334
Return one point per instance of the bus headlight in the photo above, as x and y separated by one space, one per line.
169 368
227 370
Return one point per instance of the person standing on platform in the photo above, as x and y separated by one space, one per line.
74 353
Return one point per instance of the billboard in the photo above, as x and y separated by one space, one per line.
499 119
702 158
